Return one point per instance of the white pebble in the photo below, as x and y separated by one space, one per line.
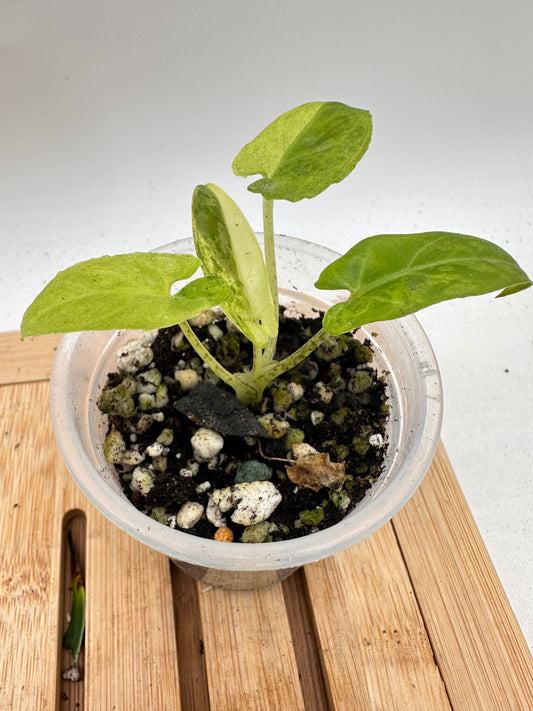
189 514
156 449
190 470
134 355
296 391
73 673
206 444
203 319
142 480
253 501
324 392
302 449
215 332
214 514
316 417
188 378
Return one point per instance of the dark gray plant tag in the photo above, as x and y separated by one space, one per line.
209 406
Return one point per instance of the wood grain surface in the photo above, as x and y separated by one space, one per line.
414 617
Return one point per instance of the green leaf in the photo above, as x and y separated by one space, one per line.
130 291
227 246
390 276
73 636
305 150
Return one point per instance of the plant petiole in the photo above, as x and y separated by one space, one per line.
270 261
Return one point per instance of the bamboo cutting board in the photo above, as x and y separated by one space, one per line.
414 617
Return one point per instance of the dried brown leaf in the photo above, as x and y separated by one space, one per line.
316 471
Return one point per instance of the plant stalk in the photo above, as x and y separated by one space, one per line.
260 377
270 250
243 390
272 270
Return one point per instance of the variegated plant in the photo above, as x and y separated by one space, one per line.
298 156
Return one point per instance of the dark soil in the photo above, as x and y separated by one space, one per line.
352 429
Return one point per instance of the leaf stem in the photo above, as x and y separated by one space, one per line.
270 252
270 261
262 376
279 367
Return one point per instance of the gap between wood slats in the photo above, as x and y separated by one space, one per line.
70 694
299 612
194 690
375 648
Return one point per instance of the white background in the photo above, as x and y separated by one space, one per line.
111 113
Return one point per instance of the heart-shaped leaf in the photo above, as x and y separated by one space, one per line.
131 291
390 276
227 246
306 150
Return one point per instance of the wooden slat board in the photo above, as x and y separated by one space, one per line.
414 617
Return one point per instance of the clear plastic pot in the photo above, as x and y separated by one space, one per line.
402 352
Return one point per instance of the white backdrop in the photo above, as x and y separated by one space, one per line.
111 113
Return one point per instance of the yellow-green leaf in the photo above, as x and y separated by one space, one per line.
130 291
390 276
305 150
227 246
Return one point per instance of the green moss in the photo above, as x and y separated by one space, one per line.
300 412
340 499
311 517
360 382
281 399
342 451
114 447
362 353
361 445
340 415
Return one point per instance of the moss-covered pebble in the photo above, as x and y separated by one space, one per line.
119 400
257 533
293 436
142 480
114 447
274 425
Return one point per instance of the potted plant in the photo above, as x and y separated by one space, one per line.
286 398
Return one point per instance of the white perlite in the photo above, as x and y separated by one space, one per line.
188 378
296 391
135 354
142 480
189 514
301 450
375 440
206 444
156 449
253 502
